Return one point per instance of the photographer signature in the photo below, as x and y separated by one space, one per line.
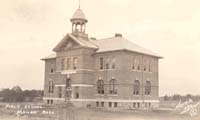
188 107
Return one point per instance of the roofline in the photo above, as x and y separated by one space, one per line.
159 57
43 59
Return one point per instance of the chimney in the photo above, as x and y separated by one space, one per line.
93 38
118 35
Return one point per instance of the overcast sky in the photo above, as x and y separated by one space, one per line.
29 29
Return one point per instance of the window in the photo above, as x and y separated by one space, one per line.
97 104
102 104
52 68
149 105
68 63
77 95
144 65
134 63
100 87
136 89
134 105
137 63
60 92
75 60
51 101
110 104
115 104
138 105
68 82
107 65
62 64
101 63
147 88
112 86
48 101
150 66
51 86
113 63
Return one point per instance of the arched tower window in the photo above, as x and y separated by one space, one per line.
136 87
100 87
112 86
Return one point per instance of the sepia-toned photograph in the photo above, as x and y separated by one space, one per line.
100 60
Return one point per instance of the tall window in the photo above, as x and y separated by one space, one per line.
100 87
60 92
68 63
52 68
68 82
101 63
134 63
113 60
144 65
136 88
62 64
147 88
137 63
112 86
75 60
51 86
150 62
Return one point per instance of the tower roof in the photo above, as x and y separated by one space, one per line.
79 15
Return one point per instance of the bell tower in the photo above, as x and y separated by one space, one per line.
79 22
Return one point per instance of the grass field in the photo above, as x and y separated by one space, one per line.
96 114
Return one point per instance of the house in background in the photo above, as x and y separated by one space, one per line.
102 73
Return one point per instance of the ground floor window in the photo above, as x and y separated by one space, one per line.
49 101
102 104
77 95
97 104
149 105
110 104
115 104
136 105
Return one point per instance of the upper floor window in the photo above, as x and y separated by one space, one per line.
136 63
150 66
75 60
51 86
101 63
136 87
144 64
62 64
68 64
147 88
100 87
112 86
113 60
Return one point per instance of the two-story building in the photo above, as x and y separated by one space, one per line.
103 73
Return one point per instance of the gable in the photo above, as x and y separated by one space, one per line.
68 45
71 42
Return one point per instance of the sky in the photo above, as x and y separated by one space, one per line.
29 29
